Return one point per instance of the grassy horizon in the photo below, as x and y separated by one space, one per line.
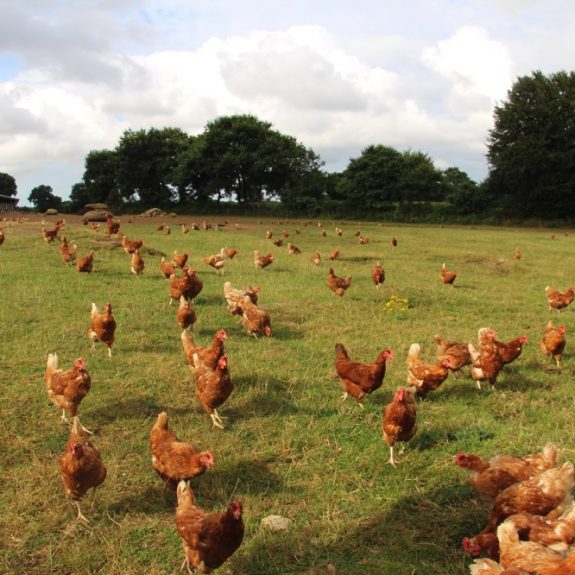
290 446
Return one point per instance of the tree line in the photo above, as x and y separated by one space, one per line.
242 161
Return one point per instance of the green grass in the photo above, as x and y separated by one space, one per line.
290 446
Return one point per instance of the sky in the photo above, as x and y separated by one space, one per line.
419 75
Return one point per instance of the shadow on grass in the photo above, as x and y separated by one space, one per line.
417 534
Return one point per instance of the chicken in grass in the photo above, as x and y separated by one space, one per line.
167 268
216 261
86 264
490 477
209 539
425 377
103 327
67 387
529 556
189 285
262 261
456 352
112 225
81 466
336 284
559 300
137 264
486 361
130 246
50 235
551 490
553 342
360 379
491 567
179 260
399 420
293 249
510 351
186 315
334 255
256 321
68 251
213 387
197 355
447 277
174 460
517 254
231 253
234 296
316 258
378 275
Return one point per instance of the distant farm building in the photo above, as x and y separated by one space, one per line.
8 203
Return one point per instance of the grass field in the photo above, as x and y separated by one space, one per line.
290 446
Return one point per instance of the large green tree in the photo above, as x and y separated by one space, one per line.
43 198
7 185
244 159
420 180
147 162
531 148
461 192
372 182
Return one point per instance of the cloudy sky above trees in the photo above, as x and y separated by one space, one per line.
411 74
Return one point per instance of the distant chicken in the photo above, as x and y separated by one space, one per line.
336 284
213 387
293 249
262 261
68 251
316 258
167 230
360 379
112 225
130 246
285 234
456 352
197 355
185 228
67 388
447 277
339 231
50 235
86 263
174 460
216 261
553 342
256 320
189 285
231 253
103 327
209 539
517 254
425 377
269 234
186 315
490 477
179 260
399 420
393 242
510 351
278 242
81 466
378 275
334 255
363 240
235 296
486 362
559 300
137 264
167 268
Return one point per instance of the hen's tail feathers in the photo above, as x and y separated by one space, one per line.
413 353
340 351
162 421
52 363
485 567
473 352
95 310
550 454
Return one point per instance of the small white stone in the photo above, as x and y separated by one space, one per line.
276 522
